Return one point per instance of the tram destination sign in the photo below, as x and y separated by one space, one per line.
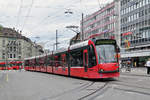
98 42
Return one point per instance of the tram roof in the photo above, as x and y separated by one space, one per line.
60 50
50 53
29 58
78 45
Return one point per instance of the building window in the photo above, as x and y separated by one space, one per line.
19 57
14 49
14 55
3 57
19 42
10 56
3 43
10 49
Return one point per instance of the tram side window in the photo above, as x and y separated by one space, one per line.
45 61
40 61
51 61
58 60
63 60
76 58
48 61
27 63
92 57
30 63
37 62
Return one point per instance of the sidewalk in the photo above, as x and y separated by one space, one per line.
138 71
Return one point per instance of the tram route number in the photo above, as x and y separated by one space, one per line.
105 42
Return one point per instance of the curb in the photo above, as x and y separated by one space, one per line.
130 73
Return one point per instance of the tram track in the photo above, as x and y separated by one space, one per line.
109 85
129 87
80 88
128 84
94 92
134 91
83 87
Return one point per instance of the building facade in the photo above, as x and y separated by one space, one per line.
135 30
103 23
14 46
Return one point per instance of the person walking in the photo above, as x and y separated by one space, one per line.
128 65
148 66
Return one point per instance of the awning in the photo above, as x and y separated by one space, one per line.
128 33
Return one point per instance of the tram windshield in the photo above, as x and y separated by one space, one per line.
106 53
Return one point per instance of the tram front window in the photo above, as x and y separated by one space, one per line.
106 53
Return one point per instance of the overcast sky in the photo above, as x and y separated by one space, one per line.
41 18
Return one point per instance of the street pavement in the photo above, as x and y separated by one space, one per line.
25 85
135 71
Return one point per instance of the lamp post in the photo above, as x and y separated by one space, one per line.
68 11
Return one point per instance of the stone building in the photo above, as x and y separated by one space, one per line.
14 46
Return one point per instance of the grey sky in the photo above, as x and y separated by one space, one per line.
42 17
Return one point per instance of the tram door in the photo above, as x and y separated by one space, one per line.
69 63
85 60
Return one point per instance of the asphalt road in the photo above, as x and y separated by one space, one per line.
24 85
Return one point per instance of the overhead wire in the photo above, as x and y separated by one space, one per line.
64 41
5 13
47 17
99 4
28 13
54 21
19 12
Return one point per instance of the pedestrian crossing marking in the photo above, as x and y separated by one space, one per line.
7 77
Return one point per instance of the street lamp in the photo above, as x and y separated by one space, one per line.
68 11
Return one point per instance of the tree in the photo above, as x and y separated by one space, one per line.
1 27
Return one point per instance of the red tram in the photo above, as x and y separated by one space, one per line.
91 59
15 65
3 66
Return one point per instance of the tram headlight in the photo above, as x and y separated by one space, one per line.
101 70
117 65
117 69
